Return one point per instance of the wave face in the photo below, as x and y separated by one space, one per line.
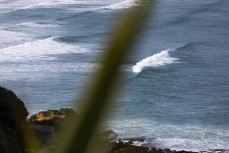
122 5
156 60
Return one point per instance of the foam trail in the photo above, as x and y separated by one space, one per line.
9 6
122 5
38 50
40 70
159 59
33 24
55 67
53 3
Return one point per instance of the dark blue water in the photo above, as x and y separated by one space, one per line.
175 91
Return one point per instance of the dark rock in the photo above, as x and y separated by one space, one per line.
159 151
153 150
139 139
133 149
183 151
167 150
130 142
12 118
128 148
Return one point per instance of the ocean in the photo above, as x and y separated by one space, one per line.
175 92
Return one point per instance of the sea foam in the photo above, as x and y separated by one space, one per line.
49 67
150 133
53 3
38 50
34 71
37 25
11 37
122 5
24 5
156 60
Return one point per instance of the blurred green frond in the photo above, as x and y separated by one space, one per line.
78 131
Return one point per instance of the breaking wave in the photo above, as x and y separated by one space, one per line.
122 5
156 60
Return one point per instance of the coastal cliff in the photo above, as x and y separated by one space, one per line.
13 114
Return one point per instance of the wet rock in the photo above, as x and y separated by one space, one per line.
110 135
183 151
128 148
153 150
159 150
167 150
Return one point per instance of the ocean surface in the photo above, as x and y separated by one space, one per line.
175 91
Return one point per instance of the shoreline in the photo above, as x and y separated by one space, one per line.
45 125
141 142
50 119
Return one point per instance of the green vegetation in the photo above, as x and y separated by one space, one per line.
78 133
77 136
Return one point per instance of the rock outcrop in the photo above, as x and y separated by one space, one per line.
128 147
50 117
12 118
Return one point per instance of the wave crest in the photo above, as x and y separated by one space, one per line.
156 60
37 25
122 5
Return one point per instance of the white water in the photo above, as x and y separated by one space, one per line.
12 37
8 6
35 25
122 5
156 60
38 50
50 67
166 135
36 70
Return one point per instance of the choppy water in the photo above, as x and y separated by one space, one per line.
176 92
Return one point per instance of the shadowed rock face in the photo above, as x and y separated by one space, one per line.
12 117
